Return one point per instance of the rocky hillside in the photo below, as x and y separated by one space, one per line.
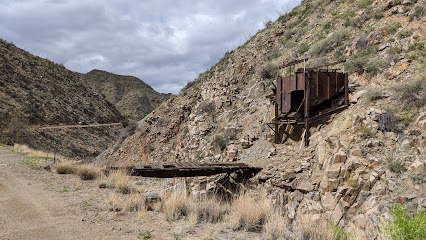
130 95
35 92
360 162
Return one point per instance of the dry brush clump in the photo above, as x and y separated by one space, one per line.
248 213
65 167
115 202
118 180
315 229
177 205
88 171
276 226
209 209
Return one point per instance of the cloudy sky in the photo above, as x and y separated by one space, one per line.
166 43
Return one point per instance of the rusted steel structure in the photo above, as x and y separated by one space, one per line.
296 96
186 169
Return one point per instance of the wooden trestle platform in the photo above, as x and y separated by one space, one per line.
186 169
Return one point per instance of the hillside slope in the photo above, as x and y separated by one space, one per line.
348 172
36 92
130 95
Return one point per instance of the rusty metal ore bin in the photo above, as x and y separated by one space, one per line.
313 86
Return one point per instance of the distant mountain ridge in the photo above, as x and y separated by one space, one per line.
36 92
130 95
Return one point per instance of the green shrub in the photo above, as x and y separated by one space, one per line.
325 45
304 47
392 28
339 232
374 66
144 234
404 33
365 131
396 166
417 14
267 71
394 50
405 119
373 94
364 4
412 95
378 14
396 2
125 123
274 54
405 226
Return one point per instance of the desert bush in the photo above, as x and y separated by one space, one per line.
396 2
394 50
411 94
315 230
378 14
276 226
396 166
177 205
88 171
304 47
372 94
65 167
417 14
388 123
392 28
206 107
144 234
274 54
374 66
365 131
267 71
115 201
249 214
364 4
120 181
135 202
405 119
405 226
404 34
356 65
209 210
325 45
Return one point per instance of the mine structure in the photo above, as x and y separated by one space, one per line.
299 96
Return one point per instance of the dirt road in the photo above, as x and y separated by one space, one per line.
29 210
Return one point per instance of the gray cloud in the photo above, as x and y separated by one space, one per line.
165 43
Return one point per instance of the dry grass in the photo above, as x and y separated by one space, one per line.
208 210
177 205
135 202
88 171
65 167
114 201
276 227
314 230
33 153
249 214
120 181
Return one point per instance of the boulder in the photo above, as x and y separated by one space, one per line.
287 175
334 170
357 96
328 201
357 152
340 157
417 167
406 145
304 185
338 212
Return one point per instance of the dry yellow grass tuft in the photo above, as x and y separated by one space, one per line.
114 201
88 171
135 202
120 181
249 214
30 152
209 210
177 205
276 226
315 229
65 167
